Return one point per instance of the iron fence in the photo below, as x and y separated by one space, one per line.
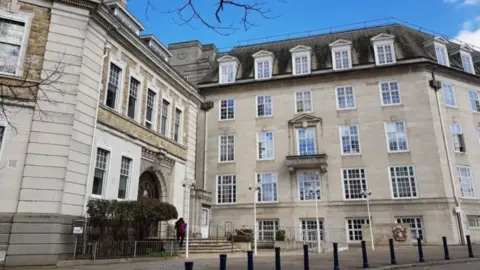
126 249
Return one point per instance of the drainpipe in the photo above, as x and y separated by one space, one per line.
458 210
107 49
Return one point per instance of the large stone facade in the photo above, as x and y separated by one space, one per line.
440 206
50 146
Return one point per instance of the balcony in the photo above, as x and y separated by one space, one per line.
309 162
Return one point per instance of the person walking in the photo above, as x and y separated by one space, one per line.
180 228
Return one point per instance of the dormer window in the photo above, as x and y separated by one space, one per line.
384 49
126 17
227 69
341 54
465 52
442 55
301 60
263 65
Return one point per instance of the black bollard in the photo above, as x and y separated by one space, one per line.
306 263
469 245
277 259
223 261
250 260
364 254
336 265
188 265
420 250
393 260
445 248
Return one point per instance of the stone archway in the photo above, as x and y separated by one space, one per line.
149 186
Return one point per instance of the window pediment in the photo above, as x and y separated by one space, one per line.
340 43
305 120
227 58
262 53
300 48
382 37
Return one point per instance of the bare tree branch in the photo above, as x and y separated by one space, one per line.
188 13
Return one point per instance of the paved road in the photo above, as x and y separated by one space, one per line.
460 266
351 259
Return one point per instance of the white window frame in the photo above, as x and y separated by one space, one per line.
473 94
220 148
297 140
121 82
412 189
438 46
274 183
264 104
461 140
390 91
267 59
129 179
259 134
139 78
417 219
360 179
472 67
337 96
388 141
153 122
473 219
180 128
220 109
447 97
366 221
169 117
341 49
300 182
470 185
261 232
3 124
350 140
107 172
221 78
478 134
26 18
303 101
309 234
377 44
233 185
296 55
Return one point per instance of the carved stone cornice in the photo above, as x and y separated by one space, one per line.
90 4
158 157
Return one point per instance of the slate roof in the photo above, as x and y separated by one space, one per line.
409 44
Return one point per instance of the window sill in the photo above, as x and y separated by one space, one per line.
225 120
346 109
269 159
226 162
405 198
398 152
392 105
266 116
98 197
469 198
301 74
460 153
226 203
385 64
451 107
272 202
351 155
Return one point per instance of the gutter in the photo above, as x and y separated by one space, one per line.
458 209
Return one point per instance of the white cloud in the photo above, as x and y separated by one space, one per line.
470 32
471 2
449 1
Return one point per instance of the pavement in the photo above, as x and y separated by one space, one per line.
407 257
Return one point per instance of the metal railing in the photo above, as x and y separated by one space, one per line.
127 249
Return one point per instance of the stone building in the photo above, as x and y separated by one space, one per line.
108 98
327 117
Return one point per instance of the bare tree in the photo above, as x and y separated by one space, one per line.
30 89
246 10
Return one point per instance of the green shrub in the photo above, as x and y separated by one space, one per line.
280 235
245 238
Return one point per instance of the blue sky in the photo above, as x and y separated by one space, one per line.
454 18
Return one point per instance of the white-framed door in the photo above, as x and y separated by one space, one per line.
204 221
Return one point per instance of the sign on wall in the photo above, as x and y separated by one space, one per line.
2 255
78 226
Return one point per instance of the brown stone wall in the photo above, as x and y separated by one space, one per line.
25 87
133 129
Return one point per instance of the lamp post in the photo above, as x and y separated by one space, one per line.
187 185
367 196
255 189
317 196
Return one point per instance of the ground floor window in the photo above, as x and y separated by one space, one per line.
474 222
415 223
355 227
309 230
267 229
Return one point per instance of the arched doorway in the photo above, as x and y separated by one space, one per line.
149 186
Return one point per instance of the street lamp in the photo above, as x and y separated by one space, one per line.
187 186
255 192
367 196
317 196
